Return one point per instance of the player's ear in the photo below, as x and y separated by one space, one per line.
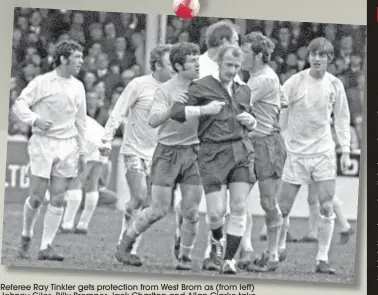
63 60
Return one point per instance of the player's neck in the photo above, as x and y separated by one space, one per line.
63 72
183 80
213 53
317 75
158 77
257 68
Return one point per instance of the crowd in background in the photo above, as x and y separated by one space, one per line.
115 49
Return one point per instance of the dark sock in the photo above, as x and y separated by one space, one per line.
233 243
217 233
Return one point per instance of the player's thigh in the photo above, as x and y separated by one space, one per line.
93 178
58 189
136 176
312 196
326 193
269 156
161 197
287 194
66 158
239 192
40 150
78 181
37 189
216 204
191 195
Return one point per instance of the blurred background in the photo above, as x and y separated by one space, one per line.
117 47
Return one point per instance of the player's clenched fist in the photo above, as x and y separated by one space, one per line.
105 148
181 98
42 124
212 108
247 120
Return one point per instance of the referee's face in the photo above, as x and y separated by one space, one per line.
229 67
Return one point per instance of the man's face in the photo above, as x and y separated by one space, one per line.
75 61
229 67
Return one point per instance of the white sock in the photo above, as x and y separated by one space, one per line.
246 242
134 250
326 226
29 219
264 230
283 234
73 199
313 220
178 219
340 215
125 223
91 200
53 217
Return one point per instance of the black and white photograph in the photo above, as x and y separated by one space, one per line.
153 144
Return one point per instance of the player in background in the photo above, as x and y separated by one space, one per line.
217 35
88 181
314 94
139 138
267 141
54 105
175 159
226 154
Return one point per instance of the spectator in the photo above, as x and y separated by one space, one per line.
122 55
89 81
127 76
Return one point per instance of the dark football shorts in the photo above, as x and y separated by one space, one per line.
175 164
218 166
270 156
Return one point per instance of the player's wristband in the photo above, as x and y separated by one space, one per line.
192 112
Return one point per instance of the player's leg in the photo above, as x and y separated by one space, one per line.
346 229
191 191
39 173
74 197
136 173
53 218
159 207
91 197
314 207
324 175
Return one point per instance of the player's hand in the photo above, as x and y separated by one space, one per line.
105 149
345 162
42 124
181 98
213 107
247 120
81 164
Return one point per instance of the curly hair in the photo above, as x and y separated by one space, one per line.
65 49
180 51
157 54
259 44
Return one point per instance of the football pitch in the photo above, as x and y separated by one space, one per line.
95 251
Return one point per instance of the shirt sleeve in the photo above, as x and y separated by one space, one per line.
286 94
160 104
178 112
342 118
121 110
81 121
27 98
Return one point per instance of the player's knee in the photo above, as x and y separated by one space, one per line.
191 213
57 199
238 207
35 201
326 208
268 203
158 213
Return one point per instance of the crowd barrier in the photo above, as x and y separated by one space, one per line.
17 180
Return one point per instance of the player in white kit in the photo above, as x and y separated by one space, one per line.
54 105
88 181
314 95
139 138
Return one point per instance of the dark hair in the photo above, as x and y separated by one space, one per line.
65 48
323 46
259 44
180 51
215 33
157 54
235 51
